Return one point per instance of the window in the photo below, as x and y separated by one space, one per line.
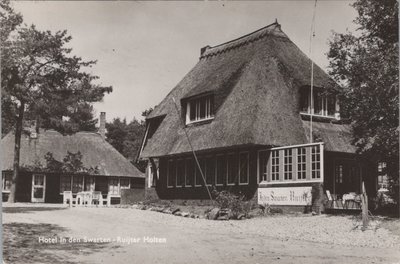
244 168
7 178
113 186
210 170
199 177
221 170
315 162
339 173
287 164
200 109
324 105
275 165
383 181
190 170
77 183
89 183
232 169
180 172
65 183
125 183
171 177
301 163
263 165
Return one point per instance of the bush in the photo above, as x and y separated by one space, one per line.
235 203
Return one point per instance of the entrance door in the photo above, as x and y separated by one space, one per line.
38 188
347 177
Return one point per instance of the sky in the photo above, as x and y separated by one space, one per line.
143 49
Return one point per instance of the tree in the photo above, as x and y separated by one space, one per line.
366 63
40 78
126 137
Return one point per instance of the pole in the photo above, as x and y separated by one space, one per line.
312 35
194 154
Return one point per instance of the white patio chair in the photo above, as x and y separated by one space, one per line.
68 198
97 198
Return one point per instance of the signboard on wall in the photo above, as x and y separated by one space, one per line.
285 195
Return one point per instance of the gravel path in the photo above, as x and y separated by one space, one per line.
278 239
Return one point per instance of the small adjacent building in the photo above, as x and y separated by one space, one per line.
245 110
112 173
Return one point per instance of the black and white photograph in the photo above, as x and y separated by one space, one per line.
200 132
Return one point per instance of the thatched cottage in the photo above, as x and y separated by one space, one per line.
246 109
111 173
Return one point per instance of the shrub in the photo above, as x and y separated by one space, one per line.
235 203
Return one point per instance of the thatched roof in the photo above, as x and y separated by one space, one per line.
96 152
337 137
255 80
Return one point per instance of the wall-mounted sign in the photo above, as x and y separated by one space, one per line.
285 195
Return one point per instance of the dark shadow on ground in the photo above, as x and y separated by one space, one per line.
21 245
19 210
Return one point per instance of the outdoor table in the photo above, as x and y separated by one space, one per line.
351 198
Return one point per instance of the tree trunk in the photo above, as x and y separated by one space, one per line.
17 147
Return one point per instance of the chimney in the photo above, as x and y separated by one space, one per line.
102 128
203 49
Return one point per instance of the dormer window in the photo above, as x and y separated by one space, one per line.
200 109
324 105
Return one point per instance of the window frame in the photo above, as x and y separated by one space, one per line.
288 163
227 169
300 163
200 160
177 161
193 161
323 101
275 163
209 109
248 168
216 170
264 165
168 173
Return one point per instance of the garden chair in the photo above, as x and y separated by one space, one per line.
333 202
68 198
97 198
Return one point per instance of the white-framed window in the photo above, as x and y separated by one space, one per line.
171 176
200 109
243 168
263 156
77 183
89 183
275 165
180 172
198 176
220 170
210 170
113 186
125 183
324 105
232 168
315 162
287 164
301 163
6 180
190 171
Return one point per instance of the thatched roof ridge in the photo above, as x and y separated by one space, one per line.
256 82
96 152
